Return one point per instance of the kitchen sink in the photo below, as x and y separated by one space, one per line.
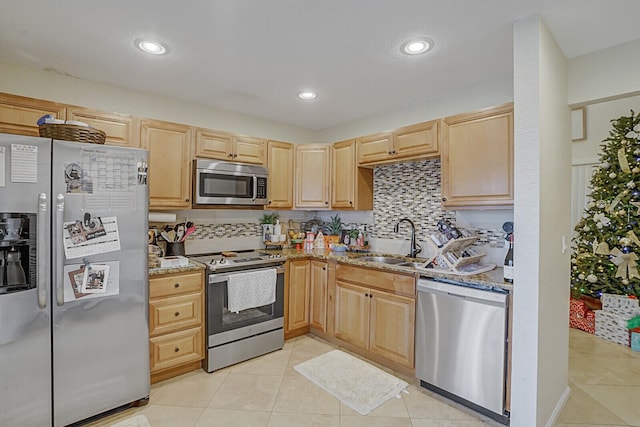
382 259
412 264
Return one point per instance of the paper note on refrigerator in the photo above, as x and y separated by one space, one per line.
90 237
74 275
24 163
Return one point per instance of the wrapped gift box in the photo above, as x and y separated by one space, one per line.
635 341
577 308
621 305
585 323
612 327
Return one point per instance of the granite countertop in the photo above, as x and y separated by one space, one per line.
192 266
490 278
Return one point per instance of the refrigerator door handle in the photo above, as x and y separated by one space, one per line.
58 238
42 252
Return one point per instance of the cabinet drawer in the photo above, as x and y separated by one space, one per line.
174 285
176 349
174 313
392 282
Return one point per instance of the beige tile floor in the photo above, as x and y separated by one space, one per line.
267 391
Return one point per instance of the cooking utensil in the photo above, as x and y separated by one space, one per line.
172 235
189 231
180 230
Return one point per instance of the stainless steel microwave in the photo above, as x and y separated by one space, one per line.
224 183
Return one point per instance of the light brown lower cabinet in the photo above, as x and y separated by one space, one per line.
370 312
176 324
297 301
306 303
318 295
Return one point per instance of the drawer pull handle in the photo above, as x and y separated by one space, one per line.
177 349
366 295
177 285
177 313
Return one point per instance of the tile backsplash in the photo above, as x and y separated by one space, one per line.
407 190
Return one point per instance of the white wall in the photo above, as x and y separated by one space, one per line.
598 120
541 217
605 74
487 94
53 86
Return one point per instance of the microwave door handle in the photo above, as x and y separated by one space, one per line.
255 188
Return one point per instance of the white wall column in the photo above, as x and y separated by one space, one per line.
542 166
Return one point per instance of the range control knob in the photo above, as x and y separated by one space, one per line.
222 261
277 255
213 261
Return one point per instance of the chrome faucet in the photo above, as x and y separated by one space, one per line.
415 248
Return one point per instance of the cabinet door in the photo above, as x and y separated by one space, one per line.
298 303
477 159
213 145
178 348
18 114
280 165
169 173
343 164
417 141
318 295
174 313
120 128
249 150
374 148
312 176
392 327
352 314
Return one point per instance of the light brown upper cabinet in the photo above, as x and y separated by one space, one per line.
477 159
120 128
419 141
312 176
19 115
169 173
351 186
280 156
226 146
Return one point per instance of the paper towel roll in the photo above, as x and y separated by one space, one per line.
162 217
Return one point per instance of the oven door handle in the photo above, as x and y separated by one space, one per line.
221 277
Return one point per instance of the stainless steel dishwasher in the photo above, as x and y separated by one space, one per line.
461 344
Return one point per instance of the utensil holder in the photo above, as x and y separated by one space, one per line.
175 248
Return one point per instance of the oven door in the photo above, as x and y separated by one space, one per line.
225 326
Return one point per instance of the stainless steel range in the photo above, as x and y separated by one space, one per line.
235 336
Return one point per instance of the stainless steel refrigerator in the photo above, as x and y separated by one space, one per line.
73 280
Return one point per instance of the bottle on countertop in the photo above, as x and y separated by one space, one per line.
277 229
508 262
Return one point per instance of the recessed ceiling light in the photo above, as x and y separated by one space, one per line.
306 95
416 47
150 46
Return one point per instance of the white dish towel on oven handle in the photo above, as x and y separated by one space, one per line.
251 289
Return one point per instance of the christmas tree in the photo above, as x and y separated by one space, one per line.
604 248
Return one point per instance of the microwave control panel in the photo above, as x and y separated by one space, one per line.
262 188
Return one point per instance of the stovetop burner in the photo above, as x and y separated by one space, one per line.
241 260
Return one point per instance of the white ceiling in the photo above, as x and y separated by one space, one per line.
254 56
